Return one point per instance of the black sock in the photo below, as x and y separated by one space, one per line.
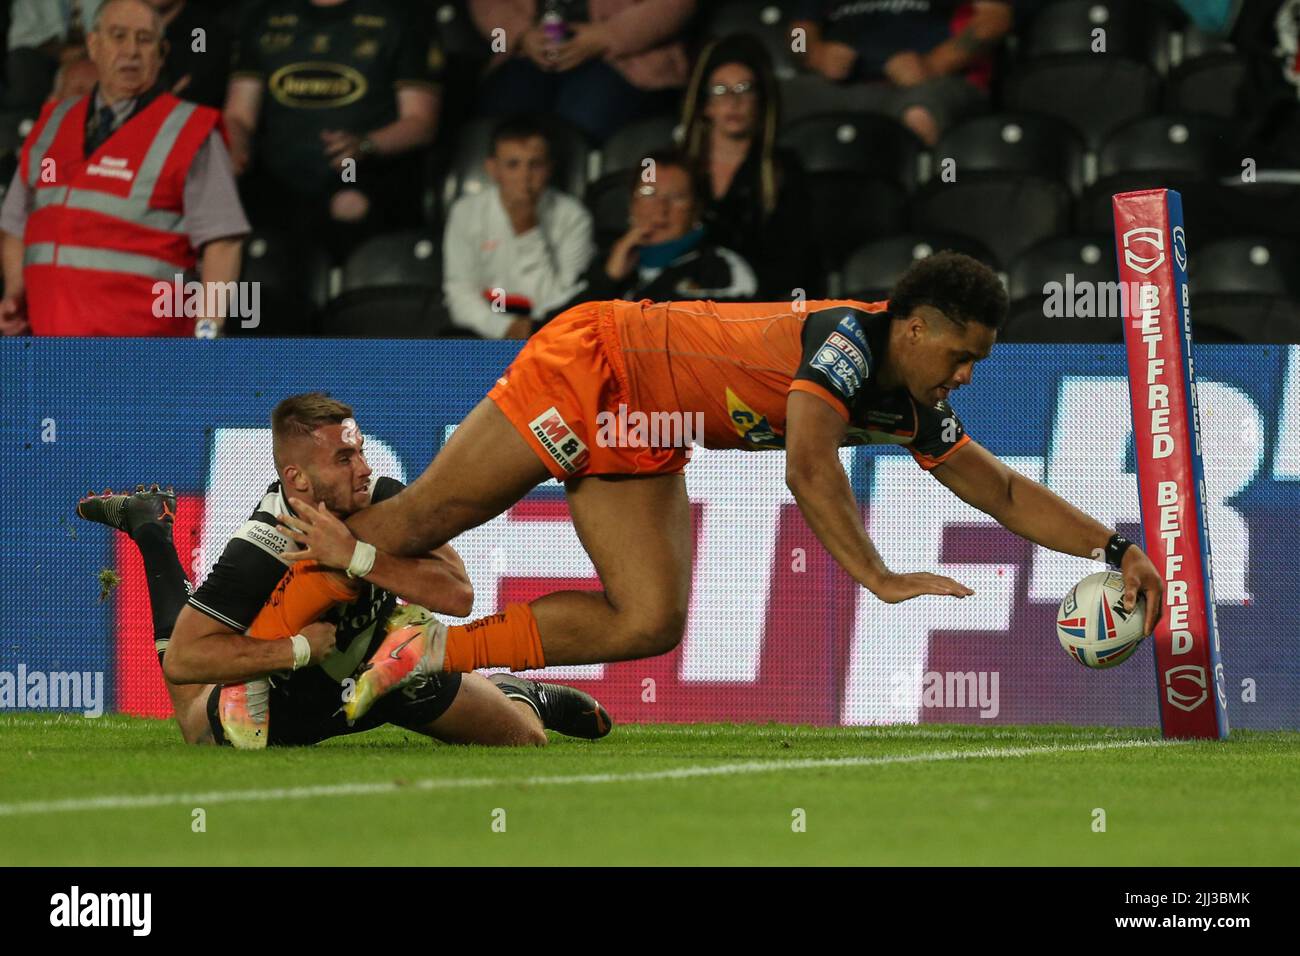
168 588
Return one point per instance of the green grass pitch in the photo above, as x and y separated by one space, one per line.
123 791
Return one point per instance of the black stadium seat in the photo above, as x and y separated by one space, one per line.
1007 213
411 257
766 20
392 312
8 166
1262 207
1242 317
569 150
632 143
1085 304
810 94
1192 43
1247 264
1135 29
1094 94
871 271
1027 323
1206 204
11 134
864 143
1015 143
609 200
292 283
1185 146
458 38
848 209
1208 84
1086 258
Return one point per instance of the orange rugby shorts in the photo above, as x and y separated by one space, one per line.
569 373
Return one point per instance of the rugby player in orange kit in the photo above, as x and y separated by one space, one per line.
808 377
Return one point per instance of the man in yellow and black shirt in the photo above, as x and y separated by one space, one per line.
329 103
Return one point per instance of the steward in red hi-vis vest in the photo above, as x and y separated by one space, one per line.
105 228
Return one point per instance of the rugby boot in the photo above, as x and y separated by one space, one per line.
128 512
566 710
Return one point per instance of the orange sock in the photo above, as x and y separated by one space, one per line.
509 639
305 593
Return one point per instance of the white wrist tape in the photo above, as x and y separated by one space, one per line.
363 559
301 651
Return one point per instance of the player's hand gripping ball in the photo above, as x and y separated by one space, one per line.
1092 624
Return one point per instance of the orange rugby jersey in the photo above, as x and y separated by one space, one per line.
736 363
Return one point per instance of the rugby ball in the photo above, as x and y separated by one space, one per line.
1092 624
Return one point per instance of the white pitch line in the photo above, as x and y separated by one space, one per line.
143 801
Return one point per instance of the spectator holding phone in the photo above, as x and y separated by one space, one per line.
599 64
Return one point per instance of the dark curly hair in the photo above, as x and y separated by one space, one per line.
962 288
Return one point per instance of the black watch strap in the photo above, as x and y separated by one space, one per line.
1115 549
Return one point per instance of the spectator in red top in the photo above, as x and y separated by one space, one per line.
599 64
925 61
116 192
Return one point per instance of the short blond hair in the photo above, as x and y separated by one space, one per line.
299 415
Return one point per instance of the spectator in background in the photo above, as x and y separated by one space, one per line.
1214 17
926 62
1267 33
43 36
664 255
514 250
195 75
608 62
76 78
329 105
757 200
109 201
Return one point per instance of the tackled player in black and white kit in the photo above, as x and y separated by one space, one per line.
231 674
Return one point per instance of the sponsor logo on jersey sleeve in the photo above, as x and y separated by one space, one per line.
844 357
267 538
851 328
846 371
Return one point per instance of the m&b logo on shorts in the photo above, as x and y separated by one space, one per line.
559 440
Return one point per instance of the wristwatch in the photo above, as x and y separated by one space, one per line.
1115 549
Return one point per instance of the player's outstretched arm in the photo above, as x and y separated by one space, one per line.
816 478
202 650
1036 513
438 581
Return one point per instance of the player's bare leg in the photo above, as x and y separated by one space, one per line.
638 534
481 714
636 530
192 713
485 467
